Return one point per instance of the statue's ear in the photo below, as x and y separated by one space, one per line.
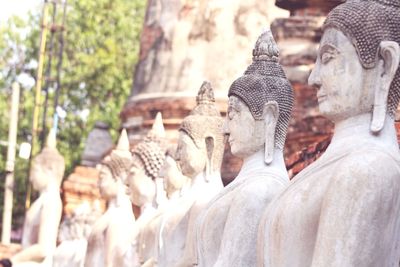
390 55
210 144
270 115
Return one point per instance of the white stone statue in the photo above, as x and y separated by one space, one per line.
148 158
110 234
199 155
43 217
175 184
73 236
344 209
259 109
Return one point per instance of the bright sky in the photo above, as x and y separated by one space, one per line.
17 7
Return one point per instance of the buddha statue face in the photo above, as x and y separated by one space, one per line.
345 87
173 178
142 188
107 184
191 158
39 177
357 67
243 142
47 168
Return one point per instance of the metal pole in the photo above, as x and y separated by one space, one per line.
38 91
48 77
59 65
9 185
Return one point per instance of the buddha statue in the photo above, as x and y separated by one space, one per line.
148 158
109 236
199 156
73 235
259 109
42 219
344 209
175 183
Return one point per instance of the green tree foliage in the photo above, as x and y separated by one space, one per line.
101 48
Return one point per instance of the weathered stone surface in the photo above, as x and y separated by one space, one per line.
81 186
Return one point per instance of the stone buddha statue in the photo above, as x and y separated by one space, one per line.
175 183
199 156
73 235
148 158
110 234
43 217
259 109
344 209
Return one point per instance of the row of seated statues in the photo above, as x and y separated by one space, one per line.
342 210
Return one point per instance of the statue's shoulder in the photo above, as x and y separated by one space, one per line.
255 191
367 169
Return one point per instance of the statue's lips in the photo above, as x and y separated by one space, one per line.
321 98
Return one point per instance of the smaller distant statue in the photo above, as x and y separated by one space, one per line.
148 158
259 109
175 183
42 220
199 155
74 232
110 234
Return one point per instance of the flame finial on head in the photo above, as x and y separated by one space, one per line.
205 94
123 141
51 139
265 47
158 127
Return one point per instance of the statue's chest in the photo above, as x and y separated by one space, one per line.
293 218
215 218
32 223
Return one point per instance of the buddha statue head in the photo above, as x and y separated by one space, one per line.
357 71
148 158
114 169
260 104
201 142
48 166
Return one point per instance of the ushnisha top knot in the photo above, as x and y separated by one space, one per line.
205 94
265 47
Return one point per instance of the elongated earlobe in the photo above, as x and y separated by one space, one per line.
390 54
271 114
210 153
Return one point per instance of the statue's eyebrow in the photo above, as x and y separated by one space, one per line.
328 48
233 105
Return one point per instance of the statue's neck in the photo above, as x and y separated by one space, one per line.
147 208
120 200
256 164
50 188
356 130
177 193
204 178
